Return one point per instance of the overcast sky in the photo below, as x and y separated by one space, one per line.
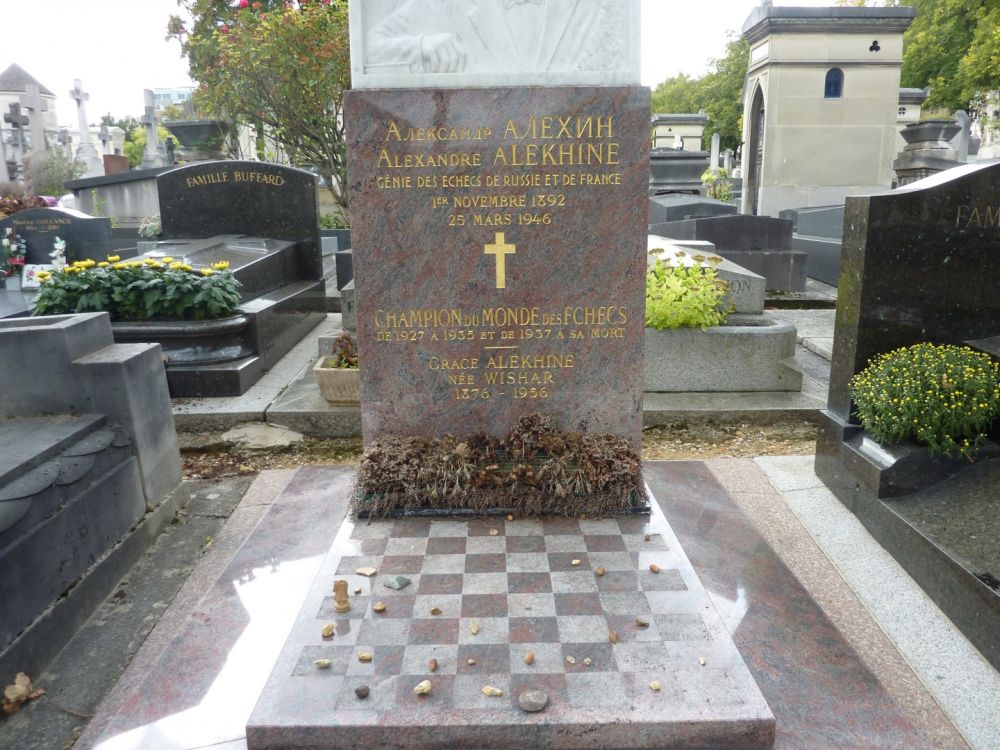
118 47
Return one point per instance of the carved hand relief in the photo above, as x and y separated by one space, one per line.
487 42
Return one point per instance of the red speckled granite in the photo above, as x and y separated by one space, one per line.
498 224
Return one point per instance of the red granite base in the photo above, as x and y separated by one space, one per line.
518 582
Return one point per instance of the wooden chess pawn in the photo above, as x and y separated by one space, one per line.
340 603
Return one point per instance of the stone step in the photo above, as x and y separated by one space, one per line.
69 490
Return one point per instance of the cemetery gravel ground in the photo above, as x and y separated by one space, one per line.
206 457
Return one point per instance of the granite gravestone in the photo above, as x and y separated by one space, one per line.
499 240
86 236
679 206
920 265
761 244
251 198
499 233
499 237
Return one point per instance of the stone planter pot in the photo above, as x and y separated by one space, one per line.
338 385
933 134
200 140
191 342
749 353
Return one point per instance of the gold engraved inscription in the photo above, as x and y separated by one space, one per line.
978 217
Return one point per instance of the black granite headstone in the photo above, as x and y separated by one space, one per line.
817 221
86 236
920 264
251 198
677 206
761 244
737 233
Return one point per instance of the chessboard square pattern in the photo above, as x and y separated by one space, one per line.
446 545
416 659
521 589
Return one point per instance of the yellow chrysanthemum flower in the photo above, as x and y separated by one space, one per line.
114 258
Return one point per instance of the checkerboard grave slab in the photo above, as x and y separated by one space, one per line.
517 581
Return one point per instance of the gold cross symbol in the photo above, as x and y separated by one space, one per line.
501 250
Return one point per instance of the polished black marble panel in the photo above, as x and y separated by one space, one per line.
85 236
244 197
919 264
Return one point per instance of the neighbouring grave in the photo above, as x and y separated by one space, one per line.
760 244
678 206
86 236
499 238
818 232
88 450
751 351
920 265
261 219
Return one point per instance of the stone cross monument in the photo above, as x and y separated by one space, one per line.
4 174
17 121
151 156
106 140
86 154
32 100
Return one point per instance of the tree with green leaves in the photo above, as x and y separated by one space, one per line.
719 93
47 172
282 67
953 46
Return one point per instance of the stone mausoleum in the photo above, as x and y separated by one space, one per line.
821 102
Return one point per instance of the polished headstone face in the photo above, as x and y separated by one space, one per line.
499 240
736 233
919 264
679 206
243 197
85 236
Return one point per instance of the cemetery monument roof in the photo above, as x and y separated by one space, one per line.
671 119
767 19
16 78
913 95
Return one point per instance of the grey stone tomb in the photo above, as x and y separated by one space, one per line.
87 450
752 351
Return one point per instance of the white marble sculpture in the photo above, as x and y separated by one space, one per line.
458 43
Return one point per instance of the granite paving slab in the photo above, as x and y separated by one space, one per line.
563 611
217 654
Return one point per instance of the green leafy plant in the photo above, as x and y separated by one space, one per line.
684 296
139 290
943 395
717 184
344 354
334 220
